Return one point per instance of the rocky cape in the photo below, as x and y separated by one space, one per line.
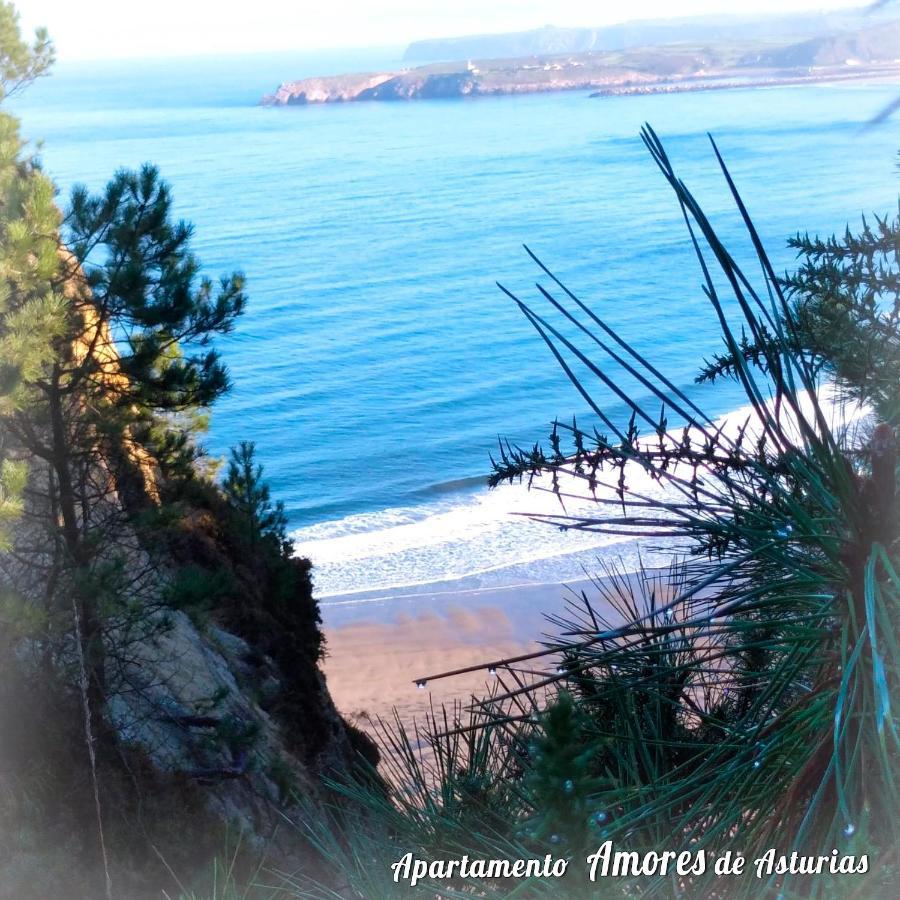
666 68
482 78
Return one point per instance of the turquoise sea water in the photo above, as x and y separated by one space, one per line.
378 362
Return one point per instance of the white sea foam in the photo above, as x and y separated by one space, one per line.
471 535
486 537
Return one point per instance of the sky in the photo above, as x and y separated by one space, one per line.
115 29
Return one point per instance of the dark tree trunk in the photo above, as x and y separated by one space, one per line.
91 628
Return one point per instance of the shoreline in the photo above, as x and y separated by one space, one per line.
377 654
377 650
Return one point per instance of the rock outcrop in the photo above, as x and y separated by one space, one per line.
464 80
217 724
326 90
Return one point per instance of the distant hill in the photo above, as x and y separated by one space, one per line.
881 42
549 40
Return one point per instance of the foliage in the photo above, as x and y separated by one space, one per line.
744 699
845 313
12 484
198 591
105 326
107 371
20 62
443 792
223 883
259 519
563 776
146 297
30 308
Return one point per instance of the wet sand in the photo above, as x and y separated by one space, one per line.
379 646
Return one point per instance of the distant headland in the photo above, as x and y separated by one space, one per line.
871 51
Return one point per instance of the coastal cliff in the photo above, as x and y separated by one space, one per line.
214 717
650 69
386 86
485 78
217 720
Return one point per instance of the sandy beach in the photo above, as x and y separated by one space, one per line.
378 647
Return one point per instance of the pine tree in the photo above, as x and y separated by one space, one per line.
20 62
563 778
31 310
258 519
13 476
105 330
844 315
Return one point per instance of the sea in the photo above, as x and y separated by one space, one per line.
378 363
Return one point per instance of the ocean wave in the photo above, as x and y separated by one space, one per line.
488 536
464 533
457 537
455 485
